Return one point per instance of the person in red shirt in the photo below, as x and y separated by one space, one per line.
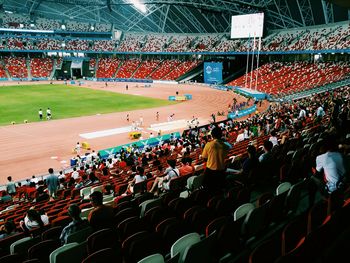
186 167
101 216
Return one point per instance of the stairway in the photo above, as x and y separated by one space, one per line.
28 69
117 69
53 70
6 71
96 67
139 65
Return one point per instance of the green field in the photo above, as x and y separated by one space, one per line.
19 103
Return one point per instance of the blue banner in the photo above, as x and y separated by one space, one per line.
242 113
139 144
212 72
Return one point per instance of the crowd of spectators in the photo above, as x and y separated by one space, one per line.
16 66
284 127
286 78
47 24
105 45
131 42
333 36
183 68
316 38
180 43
164 69
41 67
169 69
17 21
127 68
2 71
205 43
146 68
107 67
155 43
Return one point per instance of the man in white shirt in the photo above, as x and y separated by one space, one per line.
329 172
75 174
320 112
48 114
240 136
302 113
77 148
40 114
331 164
273 138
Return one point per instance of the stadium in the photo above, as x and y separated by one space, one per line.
174 131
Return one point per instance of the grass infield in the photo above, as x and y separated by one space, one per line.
20 103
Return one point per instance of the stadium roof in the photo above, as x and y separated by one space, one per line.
191 16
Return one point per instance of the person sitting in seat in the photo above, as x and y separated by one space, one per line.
247 168
101 216
77 223
162 183
186 167
34 219
7 229
139 177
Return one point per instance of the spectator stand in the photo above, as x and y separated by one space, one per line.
125 80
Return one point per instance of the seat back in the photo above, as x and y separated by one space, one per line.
267 251
85 192
140 245
242 210
98 188
79 236
61 221
277 209
72 252
155 258
7 241
140 187
215 224
42 250
10 258
283 187
104 238
182 243
202 251
52 233
102 256
293 233
85 212
148 204
255 221
21 246
177 183
293 196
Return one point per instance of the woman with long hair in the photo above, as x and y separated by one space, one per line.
34 219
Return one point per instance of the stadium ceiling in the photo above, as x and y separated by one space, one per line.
191 16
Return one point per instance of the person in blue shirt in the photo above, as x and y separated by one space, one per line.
52 183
